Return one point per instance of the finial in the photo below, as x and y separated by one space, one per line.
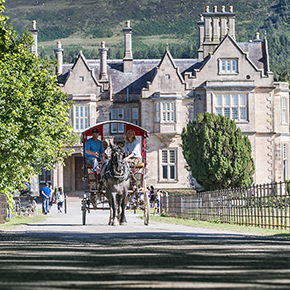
128 23
215 8
33 24
231 8
201 17
103 44
206 8
223 8
257 35
167 46
58 44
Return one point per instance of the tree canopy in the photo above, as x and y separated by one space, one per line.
217 154
34 120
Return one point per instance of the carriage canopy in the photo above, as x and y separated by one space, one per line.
139 131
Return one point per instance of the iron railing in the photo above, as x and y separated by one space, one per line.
266 206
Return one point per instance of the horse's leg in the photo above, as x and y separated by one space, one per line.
115 220
123 206
109 197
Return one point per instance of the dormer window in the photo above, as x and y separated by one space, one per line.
228 66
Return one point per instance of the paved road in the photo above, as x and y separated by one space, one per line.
60 253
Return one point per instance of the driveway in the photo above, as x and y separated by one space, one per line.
61 253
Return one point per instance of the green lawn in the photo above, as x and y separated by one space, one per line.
221 226
20 220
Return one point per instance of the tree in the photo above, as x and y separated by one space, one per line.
216 152
34 121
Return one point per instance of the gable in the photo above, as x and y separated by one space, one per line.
81 79
167 78
229 49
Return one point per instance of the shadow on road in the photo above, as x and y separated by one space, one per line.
142 260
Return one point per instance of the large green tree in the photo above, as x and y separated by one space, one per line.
34 123
217 154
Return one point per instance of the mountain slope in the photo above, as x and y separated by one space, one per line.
83 24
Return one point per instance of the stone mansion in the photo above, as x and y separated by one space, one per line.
161 95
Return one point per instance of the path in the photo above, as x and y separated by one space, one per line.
60 253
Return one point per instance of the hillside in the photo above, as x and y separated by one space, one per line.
81 25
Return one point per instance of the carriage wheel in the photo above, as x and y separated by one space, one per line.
146 209
84 209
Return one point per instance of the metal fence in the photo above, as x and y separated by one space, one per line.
266 206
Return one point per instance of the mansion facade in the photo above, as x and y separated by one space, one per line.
161 95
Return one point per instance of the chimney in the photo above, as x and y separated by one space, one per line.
34 32
200 24
224 28
103 62
215 26
207 26
128 57
257 37
59 56
232 23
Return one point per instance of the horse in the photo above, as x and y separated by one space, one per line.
115 179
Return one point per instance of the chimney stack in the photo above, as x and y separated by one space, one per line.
59 56
128 56
103 62
232 31
200 24
215 26
34 32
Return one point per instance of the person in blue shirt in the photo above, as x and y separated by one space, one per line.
132 148
45 193
94 151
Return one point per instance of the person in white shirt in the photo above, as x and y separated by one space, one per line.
132 148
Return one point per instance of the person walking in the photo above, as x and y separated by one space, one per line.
59 199
45 193
152 196
159 196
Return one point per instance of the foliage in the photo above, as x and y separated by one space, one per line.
175 19
216 152
34 123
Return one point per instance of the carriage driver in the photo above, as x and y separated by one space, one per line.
94 151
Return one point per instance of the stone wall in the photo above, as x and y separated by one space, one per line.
3 208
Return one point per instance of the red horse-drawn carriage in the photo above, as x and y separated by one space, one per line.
97 195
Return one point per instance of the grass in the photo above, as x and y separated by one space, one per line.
221 226
20 220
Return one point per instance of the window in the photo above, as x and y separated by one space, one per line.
284 111
167 112
228 66
82 78
45 176
231 106
81 117
168 164
284 157
117 114
135 116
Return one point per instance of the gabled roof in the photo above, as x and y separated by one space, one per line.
168 55
253 52
82 59
143 72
